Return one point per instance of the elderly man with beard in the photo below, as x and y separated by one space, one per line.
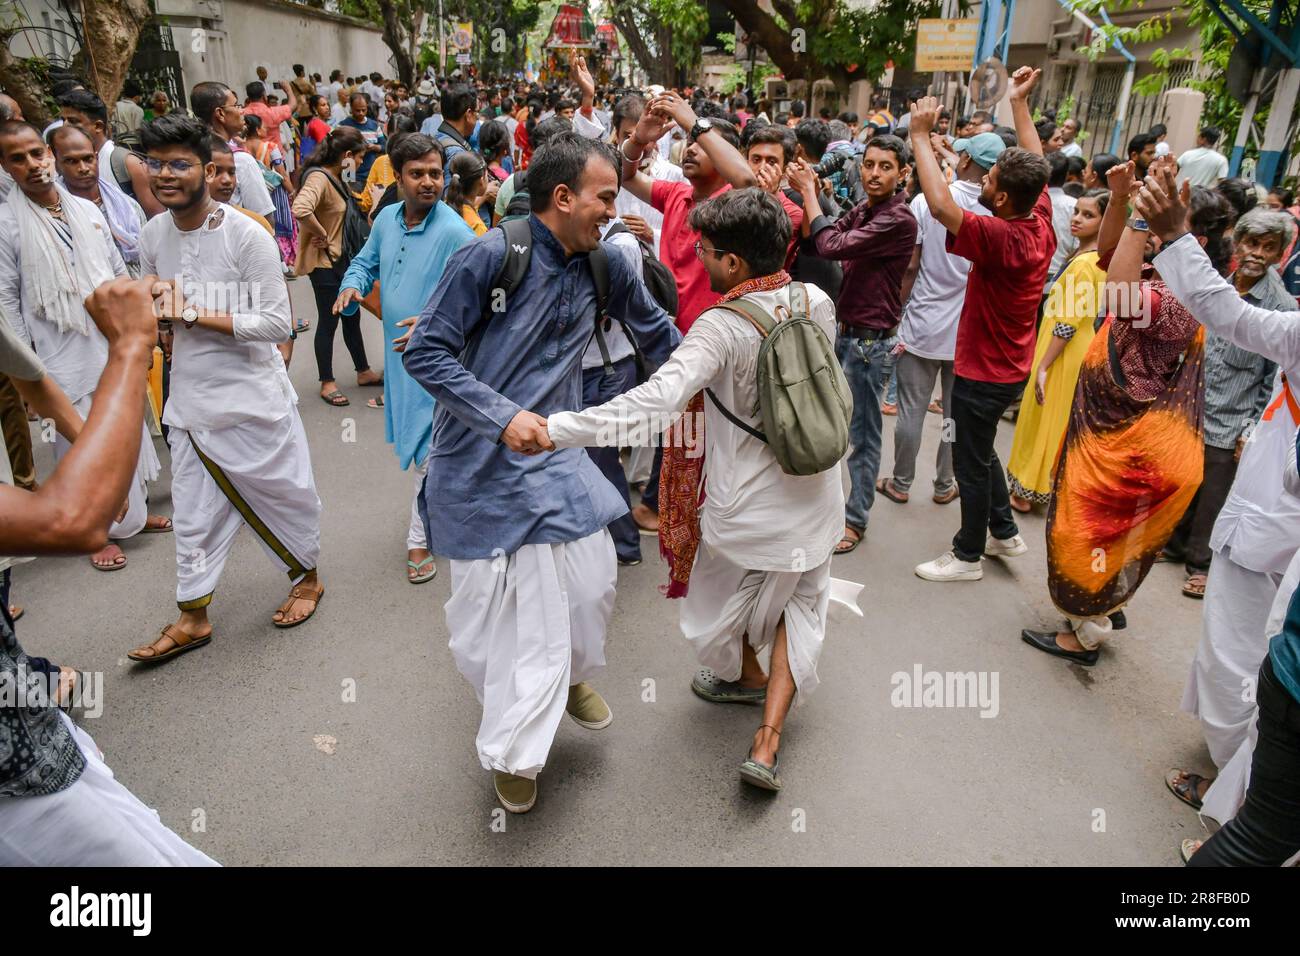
1238 384
239 452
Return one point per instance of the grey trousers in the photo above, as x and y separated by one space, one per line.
916 377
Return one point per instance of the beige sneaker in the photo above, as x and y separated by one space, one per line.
517 794
587 708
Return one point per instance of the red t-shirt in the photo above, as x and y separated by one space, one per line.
271 117
1009 260
677 249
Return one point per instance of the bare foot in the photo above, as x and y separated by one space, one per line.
67 686
369 377
158 523
109 558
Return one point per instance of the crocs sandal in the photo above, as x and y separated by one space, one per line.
171 642
422 576
760 774
714 689
1184 786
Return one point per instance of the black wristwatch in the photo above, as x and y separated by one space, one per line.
701 127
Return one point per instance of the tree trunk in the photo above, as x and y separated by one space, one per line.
111 29
395 39
19 83
660 69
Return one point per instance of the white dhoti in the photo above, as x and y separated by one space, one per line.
256 473
524 628
1233 644
147 468
415 534
726 602
94 822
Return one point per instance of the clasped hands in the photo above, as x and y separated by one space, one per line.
527 434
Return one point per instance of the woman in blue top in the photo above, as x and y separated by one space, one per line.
410 243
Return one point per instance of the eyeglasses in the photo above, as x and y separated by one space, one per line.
177 167
700 250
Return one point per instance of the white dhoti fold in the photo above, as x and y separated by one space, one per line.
726 601
524 628
256 473
94 822
147 468
1220 686
415 533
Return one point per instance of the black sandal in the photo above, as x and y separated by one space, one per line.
1186 789
853 546
335 398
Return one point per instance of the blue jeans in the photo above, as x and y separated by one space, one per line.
597 389
864 367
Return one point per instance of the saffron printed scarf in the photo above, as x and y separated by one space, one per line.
681 475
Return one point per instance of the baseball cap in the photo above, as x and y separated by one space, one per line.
983 148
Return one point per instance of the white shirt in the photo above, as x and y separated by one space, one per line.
929 326
6 184
590 128
1062 212
1202 166
1260 521
250 186
1072 149
755 515
73 360
219 380
338 113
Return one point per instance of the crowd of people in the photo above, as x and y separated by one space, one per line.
611 315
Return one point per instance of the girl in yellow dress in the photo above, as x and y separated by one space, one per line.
1073 304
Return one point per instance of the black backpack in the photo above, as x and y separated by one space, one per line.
658 277
519 253
518 207
356 227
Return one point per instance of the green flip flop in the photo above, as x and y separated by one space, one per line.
421 577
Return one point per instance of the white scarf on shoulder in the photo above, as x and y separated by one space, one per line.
54 283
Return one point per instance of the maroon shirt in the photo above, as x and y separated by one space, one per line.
874 244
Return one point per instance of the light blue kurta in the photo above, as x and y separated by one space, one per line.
408 264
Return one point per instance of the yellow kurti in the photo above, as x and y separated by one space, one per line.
1074 300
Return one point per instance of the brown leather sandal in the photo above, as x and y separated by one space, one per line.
300 592
170 642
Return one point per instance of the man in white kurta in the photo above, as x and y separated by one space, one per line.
46 259
766 537
1258 529
239 452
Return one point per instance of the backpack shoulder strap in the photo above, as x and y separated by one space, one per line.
519 251
752 313
598 259
121 174
731 417
618 228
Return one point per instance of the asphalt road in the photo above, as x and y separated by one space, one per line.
232 743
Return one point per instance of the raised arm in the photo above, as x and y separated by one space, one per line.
71 511
1186 269
1023 82
652 125
726 159
1119 179
925 114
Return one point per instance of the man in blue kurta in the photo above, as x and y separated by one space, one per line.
532 566
409 245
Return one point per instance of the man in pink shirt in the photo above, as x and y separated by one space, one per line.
271 116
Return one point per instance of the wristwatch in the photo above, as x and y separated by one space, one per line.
189 316
1138 224
701 127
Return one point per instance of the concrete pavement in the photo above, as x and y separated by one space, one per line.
231 742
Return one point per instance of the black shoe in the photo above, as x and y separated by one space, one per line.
1046 641
629 562
1118 621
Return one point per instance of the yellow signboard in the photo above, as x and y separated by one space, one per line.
943 45
463 35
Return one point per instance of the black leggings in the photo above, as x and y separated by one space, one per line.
325 286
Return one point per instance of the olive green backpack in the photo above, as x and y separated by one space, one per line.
804 403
